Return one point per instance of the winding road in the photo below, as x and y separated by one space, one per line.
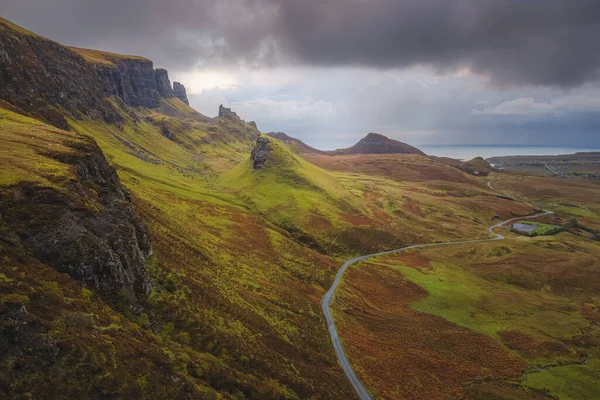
361 391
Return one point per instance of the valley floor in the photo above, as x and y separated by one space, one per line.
499 319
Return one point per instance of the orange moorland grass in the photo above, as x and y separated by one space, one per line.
402 167
400 353
534 297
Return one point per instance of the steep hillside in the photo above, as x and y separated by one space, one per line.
70 244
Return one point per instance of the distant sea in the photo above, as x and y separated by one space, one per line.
467 152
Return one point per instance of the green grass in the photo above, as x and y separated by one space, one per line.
287 189
26 148
105 57
534 289
570 382
491 307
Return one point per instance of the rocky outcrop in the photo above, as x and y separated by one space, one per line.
180 92
52 82
138 84
225 112
163 84
90 231
260 152
132 80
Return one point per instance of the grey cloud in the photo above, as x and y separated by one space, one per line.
546 42
550 42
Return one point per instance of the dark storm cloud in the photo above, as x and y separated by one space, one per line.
540 42
545 42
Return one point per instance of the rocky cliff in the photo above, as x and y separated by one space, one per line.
88 229
225 112
53 82
260 152
180 92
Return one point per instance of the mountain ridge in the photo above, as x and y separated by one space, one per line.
372 143
55 83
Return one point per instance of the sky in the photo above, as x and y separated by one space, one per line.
330 71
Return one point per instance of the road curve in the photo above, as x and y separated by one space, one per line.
361 391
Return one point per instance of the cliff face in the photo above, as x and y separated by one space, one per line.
137 83
260 152
180 92
89 231
37 75
52 82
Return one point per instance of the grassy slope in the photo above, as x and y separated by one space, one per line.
236 294
104 57
68 327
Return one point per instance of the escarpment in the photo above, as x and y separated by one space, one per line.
88 230
54 83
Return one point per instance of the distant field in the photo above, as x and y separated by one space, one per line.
525 169
529 304
586 165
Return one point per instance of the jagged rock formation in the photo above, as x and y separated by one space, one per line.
260 152
91 231
375 143
180 93
135 83
225 112
163 84
52 82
